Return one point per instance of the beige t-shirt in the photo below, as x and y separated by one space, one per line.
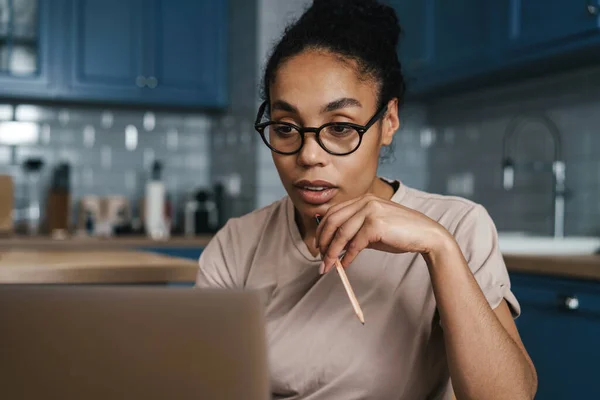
317 347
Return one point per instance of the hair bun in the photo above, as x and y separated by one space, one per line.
378 18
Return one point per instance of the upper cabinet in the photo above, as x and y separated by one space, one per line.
28 51
187 52
549 23
174 52
105 50
465 44
148 52
138 52
441 41
416 47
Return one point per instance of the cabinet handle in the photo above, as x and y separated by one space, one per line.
152 82
592 8
571 303
140 81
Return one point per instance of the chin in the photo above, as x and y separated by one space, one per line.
310 210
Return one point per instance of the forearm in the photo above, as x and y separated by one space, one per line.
484 361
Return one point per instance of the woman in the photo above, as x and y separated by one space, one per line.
425 268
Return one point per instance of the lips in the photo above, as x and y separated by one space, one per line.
315 192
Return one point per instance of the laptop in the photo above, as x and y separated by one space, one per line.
98 342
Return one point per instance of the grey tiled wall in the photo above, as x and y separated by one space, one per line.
469 131
93 141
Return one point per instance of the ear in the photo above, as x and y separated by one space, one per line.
390 122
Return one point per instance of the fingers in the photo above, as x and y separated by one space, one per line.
330 212
335 217
343 235
359 242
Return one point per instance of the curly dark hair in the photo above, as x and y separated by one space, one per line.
364 31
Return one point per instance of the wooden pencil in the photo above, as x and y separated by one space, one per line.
349 291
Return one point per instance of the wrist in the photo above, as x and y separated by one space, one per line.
443 246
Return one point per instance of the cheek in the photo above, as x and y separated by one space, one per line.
359 168
284 165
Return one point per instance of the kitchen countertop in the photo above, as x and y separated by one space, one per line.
91 243
114 260
574 267
88 266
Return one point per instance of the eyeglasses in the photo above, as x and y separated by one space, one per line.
337 138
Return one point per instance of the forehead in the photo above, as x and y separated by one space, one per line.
316 77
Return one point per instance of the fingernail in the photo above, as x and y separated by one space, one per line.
322 268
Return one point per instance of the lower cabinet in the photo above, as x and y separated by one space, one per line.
560 327
192 253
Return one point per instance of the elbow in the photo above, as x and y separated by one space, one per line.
531 383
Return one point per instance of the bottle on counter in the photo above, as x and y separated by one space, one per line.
154 205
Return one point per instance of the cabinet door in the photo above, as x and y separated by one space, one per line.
29 47
560 327
443 41
188 63
416 46
460 34
106 49
550 22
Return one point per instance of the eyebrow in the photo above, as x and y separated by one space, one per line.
284 106
332 106
341 103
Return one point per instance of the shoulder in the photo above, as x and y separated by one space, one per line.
468 221
253 223
223 261
449 211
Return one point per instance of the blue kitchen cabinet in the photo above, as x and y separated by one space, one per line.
29 48
469 44
560 327
105 50
531 39
535 26
187 60
443 41
155 53
416 45
192 253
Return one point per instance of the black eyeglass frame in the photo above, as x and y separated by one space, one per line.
361 129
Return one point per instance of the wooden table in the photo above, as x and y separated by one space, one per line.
93 266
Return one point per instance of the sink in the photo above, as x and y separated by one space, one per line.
522 244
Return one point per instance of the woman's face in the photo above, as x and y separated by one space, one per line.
314 88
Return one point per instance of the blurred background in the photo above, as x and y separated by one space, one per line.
99 91
102 91
131 117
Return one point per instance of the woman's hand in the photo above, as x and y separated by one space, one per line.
375 223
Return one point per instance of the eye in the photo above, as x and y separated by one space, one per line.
283 131
340 130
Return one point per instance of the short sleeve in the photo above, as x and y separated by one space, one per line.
217 262
477 236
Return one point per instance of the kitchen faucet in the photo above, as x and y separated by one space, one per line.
558 165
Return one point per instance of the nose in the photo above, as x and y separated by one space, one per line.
311 153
